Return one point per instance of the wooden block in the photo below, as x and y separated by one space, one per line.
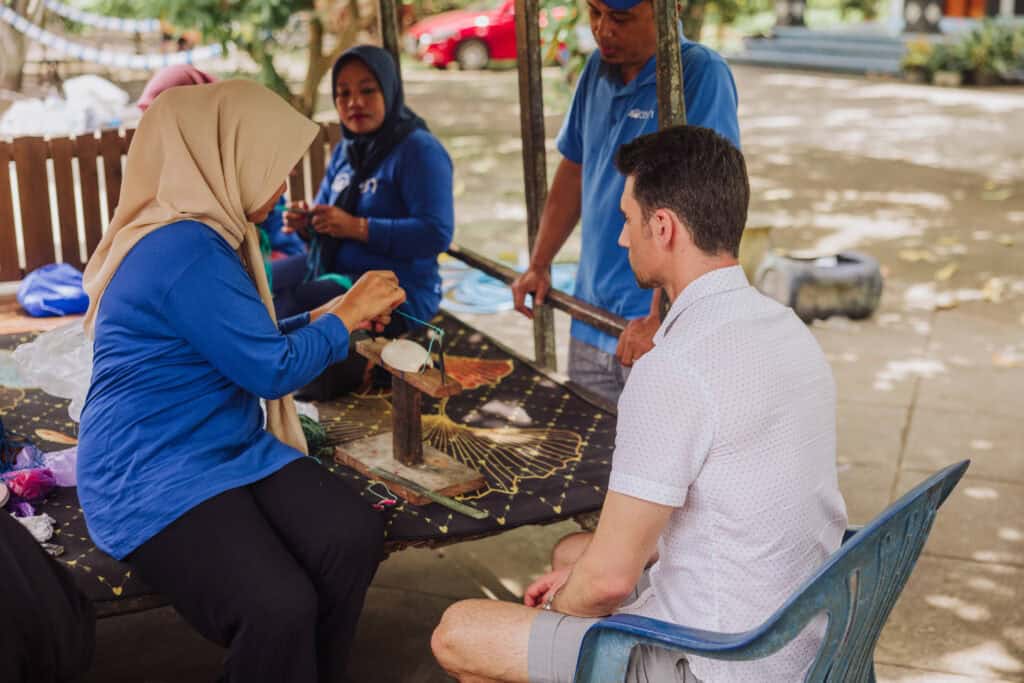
333 135
438 473
407 422
297 182
87 149
9 268
111 145
63 150
30 155
317 161
428 381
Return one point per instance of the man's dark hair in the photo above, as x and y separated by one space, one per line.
696 173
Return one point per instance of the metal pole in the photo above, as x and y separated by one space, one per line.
598 318
531 118
387 15
671 106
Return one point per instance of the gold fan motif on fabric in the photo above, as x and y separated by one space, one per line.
10 398
356 417
505 455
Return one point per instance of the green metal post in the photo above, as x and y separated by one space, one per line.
671 106
531 117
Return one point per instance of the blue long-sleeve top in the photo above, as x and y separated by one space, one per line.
184 350
409 207
285 242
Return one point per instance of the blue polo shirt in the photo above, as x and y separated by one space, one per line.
605 114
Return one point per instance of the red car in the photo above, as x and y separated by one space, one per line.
470 37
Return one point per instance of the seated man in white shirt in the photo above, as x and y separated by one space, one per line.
723 480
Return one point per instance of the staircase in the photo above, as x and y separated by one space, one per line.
859 50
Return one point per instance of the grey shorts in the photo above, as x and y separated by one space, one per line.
555 641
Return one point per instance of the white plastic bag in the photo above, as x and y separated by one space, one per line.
64 465
103 100
60 363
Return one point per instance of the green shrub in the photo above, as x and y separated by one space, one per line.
918 54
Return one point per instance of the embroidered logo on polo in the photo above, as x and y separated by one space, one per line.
641 114
342 180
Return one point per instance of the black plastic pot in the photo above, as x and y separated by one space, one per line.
847 284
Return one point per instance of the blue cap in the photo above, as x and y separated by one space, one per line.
622 5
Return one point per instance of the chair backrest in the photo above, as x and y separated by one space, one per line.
57 195
858 586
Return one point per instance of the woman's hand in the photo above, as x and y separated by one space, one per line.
369 303
335 222
296 219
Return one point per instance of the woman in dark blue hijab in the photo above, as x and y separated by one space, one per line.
385 203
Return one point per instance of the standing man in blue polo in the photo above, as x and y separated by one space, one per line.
615 101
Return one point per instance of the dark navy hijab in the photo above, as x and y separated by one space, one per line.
366 152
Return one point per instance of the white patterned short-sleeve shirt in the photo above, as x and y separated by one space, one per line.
730 419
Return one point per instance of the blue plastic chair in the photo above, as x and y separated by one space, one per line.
857 587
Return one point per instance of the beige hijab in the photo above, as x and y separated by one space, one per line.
210 153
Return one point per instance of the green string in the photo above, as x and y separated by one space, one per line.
317 440
414 319
438 335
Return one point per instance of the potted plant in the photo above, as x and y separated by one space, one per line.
947 65
916 60
980 51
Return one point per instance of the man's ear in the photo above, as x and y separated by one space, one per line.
665 225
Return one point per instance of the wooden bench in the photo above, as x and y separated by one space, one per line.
79 201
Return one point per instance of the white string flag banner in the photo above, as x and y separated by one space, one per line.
100 21
106 57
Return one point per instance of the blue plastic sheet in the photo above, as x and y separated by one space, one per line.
53 290
470 291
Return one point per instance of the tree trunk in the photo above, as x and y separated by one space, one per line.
693 18
348 25
14 46
268 72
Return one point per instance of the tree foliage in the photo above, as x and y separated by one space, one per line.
255 26
14 45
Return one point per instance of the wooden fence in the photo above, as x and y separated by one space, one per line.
57 195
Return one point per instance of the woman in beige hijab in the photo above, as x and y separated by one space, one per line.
260 548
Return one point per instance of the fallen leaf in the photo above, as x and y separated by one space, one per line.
917 255
56 437
994 289
997 195
1006 240
1008 358
947 271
